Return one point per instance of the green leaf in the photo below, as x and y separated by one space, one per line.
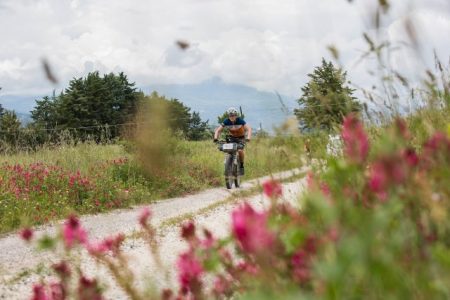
46 243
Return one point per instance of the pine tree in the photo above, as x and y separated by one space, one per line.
326 99
44 113
2 111
92 103
198 130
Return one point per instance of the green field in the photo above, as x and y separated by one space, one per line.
48 184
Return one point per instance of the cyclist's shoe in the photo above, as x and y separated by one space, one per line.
241 170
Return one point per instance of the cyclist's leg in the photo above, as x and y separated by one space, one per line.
241 152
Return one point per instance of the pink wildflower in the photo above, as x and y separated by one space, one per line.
325 189
209 240
108 244
167 294
189 271
26 234
250 229
378 181
311 244
39 293
385 172
300 265
310 181
436 150
188 230
378 178
88 289
356 142
438 141
225 256
144 216
411 157
62 269
333 234
272 188
73 232
248 267
221 286
57 291
100 247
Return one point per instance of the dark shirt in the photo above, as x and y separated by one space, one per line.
236 129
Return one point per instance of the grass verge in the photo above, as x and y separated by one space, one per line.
38 187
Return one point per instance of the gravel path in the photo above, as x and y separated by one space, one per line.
19 263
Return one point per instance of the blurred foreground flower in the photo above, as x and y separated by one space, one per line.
272 188
189 272
356 142
144 216
26 234
250 228
73 232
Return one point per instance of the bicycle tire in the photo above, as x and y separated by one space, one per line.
237 174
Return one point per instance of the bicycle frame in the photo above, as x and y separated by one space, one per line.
231 162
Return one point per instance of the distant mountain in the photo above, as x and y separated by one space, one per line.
210 98
24 118
19 103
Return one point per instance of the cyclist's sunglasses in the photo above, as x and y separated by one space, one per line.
232 115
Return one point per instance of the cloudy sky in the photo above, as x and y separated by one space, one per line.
267 44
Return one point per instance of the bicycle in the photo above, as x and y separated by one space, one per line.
231 163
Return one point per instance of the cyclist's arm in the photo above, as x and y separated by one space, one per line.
218 132
249 131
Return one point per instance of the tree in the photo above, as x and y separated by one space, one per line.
178 117
44 113
9 127
92 103
198 130
2 111
326 99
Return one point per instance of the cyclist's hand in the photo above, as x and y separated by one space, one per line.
215 140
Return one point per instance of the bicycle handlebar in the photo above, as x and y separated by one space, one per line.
225 142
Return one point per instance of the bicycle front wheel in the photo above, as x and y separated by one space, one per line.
236 175
229 172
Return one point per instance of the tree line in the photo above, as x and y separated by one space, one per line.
100 108
97 108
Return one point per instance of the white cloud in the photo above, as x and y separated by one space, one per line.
268 44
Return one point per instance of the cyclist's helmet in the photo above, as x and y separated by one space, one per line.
232 111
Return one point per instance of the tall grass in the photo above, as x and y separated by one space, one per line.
45 185
69 156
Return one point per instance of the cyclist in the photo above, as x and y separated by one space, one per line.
236 127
